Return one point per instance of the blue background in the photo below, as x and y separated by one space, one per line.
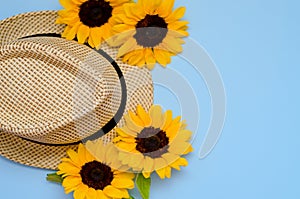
255 45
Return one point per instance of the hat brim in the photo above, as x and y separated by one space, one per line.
48 156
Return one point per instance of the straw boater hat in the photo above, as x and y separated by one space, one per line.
54 93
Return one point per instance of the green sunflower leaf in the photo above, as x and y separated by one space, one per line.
143 184
53 177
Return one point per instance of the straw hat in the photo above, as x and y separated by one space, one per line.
55 93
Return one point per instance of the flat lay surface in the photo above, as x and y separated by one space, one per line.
255 47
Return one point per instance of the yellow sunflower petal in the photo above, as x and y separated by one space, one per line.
170 157
74 157
70 19
188 150
117 164
96 36
99 152
176 15
68 160
114 192
125 193
83 33
124 157
88 156
61 14
121 38
165 8
71 183
123 28
81 153
137 58
126 146
91 194
178 25
129 23
129 46
106 31
179 33
101 195
159 163
155 5
137 120
68 169
78 2
80 193
69 14
149 58
143 115
66 31
124 139
131 125
124 175
173 128
91 146
68 4
73 31
116 11
118 19
146 174
148 164
176 120
167 120
111 153
172 131
140 161
140 167
180 162
91 42
141 63
179 147
184 135
115 3
156 116
172 44
129 131
150 6
163 57
122 183
129 55
133 11
125 132
168 172
161 173
128 13
136 160
150 66
68 190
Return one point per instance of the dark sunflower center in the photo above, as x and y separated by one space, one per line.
151 31
152 142
95 13
96 175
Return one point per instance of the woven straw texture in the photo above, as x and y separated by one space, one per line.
55 91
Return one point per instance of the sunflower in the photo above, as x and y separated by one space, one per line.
150 31
89 20
153 141
91 177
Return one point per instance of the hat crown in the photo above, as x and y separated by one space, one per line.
53 88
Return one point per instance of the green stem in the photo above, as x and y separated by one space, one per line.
53 177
